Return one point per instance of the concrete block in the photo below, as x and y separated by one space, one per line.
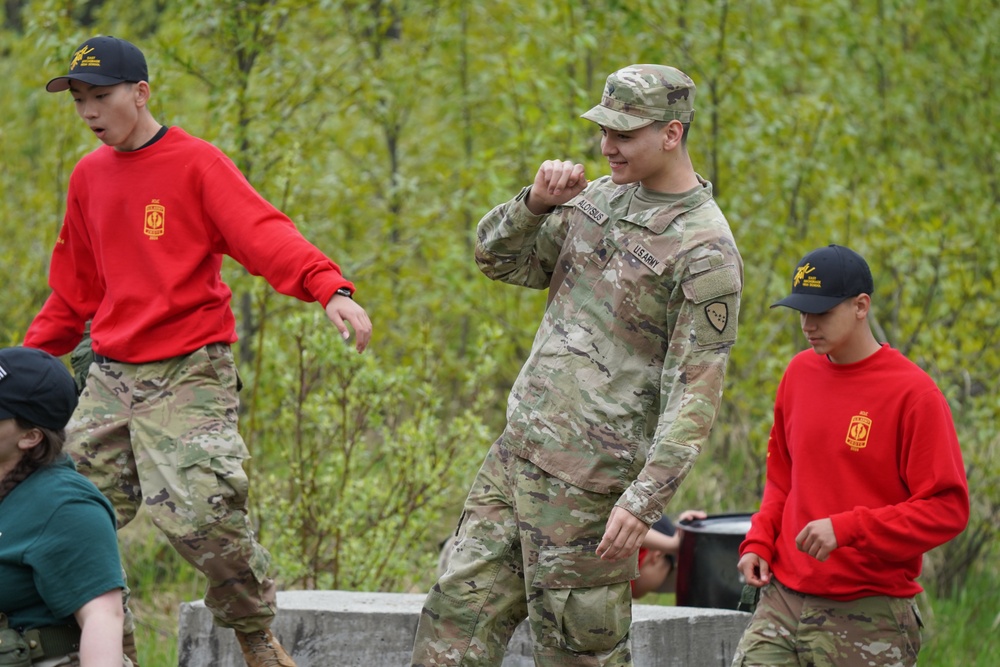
352 629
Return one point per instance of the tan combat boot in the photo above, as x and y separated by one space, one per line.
261 649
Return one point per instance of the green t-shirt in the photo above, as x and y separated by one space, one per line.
58 547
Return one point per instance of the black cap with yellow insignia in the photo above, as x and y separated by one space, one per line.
103 61
826 277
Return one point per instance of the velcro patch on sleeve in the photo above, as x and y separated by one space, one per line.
711 284
715 298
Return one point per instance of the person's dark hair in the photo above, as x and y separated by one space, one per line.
44 453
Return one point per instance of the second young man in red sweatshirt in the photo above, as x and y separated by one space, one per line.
864 475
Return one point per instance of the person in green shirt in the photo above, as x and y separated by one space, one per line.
60 601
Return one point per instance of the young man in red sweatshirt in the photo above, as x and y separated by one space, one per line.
864 475
149 216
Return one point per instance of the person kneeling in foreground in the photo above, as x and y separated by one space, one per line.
864 475
61 590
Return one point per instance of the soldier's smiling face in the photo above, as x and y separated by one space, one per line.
635 155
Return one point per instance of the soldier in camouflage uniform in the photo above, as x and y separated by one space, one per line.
149 216
618 394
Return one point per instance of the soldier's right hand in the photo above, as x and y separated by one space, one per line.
556 182
755 570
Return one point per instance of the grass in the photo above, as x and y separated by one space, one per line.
960 631
964 630
160 581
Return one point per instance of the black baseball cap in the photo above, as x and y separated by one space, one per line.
826 277
103 61
35 387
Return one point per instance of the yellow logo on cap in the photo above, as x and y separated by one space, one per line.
78 56
154 224
801 273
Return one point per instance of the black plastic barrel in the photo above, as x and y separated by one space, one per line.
706 566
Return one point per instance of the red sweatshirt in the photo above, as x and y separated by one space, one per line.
872 446
140 252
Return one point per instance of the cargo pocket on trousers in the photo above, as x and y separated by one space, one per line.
212 485
907 616
587 600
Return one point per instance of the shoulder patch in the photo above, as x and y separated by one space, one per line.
717 313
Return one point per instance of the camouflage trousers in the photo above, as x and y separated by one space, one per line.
525 548
791 628
164 434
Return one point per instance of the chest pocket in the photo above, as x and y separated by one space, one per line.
602 253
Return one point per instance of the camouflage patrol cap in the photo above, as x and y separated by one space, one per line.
639 95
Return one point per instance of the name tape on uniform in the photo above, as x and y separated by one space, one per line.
646 257
592 211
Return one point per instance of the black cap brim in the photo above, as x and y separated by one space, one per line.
813 304
61 83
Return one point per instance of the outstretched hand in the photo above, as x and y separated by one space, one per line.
342 310
556 182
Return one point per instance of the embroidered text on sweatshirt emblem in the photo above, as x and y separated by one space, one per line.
858 431
155 221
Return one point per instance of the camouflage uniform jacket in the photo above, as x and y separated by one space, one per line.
625 374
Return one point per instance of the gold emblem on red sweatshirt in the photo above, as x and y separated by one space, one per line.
858 432
155 222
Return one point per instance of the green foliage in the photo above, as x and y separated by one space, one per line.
387 129
963 630
357 460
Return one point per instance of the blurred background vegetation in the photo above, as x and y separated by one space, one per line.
387 128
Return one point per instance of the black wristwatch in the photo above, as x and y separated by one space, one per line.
343 291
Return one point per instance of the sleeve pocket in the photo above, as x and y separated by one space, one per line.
715 295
